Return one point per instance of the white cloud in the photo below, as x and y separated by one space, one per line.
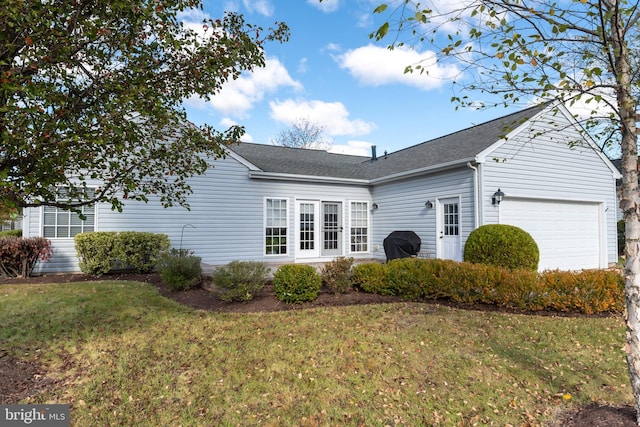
196 102
192 16
376 66
589 107
326 6
333 116
263 7
302 66
226 123
354 148
246 137
238 96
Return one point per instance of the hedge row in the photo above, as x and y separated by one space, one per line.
589 291
11 233
101 251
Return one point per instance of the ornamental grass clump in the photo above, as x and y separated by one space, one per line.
296 283
240 280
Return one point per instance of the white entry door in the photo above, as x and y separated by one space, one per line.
449 229
307 229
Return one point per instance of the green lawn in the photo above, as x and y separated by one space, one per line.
124 355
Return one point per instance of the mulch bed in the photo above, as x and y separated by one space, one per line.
22 379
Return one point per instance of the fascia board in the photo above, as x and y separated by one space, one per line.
235 156
256 174
421 171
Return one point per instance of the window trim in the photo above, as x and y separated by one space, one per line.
367 216
57 211
287 245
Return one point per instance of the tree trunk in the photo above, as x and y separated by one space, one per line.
629 203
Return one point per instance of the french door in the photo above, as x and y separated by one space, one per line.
318 229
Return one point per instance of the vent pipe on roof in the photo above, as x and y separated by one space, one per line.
374 156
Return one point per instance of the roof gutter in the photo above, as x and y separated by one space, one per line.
306 178
421 171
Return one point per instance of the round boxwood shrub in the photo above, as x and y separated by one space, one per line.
296 283
502 245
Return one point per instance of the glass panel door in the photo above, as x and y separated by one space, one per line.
307 231
331 229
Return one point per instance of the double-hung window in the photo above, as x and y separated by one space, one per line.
359 226
60 223
276 228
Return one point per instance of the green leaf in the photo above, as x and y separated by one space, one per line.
380 8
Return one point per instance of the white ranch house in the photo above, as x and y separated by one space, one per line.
283 205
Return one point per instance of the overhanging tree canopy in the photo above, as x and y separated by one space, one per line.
584 52
91 91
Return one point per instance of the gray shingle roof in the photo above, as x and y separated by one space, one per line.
460 146
298 161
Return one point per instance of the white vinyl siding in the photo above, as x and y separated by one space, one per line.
359 229
548 168
226 220
402 208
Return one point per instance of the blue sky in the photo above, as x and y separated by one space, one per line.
332 74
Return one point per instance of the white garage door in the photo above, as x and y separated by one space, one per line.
567 233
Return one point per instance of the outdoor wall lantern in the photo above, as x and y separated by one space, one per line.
497 197
374 206
428 204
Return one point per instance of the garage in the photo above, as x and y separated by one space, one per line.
568 234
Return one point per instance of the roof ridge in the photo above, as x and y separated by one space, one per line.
538 107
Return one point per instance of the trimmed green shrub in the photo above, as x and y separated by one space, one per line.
370 277
296 283
240 280
336 275
95 251
407 277
101 251
449 279
588 292
140 251
502 245
180 269
18 256
11 233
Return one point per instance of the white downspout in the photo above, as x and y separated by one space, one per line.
477 202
